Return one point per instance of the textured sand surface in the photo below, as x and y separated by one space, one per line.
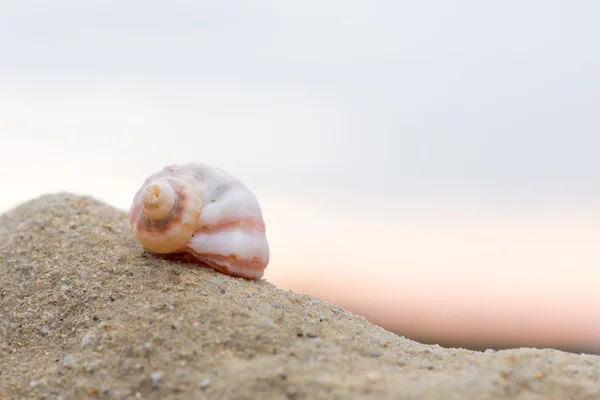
86 313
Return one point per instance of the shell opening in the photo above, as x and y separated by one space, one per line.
157 200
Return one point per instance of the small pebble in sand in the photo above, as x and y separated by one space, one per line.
205 383
156 375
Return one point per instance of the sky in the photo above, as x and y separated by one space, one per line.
429 143
491 99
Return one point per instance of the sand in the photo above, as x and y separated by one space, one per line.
87 313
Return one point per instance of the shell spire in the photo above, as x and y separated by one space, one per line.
203 211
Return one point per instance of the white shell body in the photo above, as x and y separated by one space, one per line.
203 211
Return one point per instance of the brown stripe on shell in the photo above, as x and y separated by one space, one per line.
246 224
255 263
255 266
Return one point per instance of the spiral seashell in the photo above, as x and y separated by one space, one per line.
203 211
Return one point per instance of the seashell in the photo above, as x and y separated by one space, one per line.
206 212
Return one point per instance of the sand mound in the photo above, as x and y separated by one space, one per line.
86 313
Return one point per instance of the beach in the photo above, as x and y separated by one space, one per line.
87 313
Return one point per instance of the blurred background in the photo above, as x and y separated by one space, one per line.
430 165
